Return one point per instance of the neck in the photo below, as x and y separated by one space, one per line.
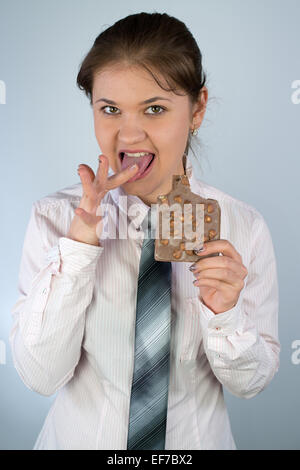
149 199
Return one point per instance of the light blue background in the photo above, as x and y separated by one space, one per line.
250 149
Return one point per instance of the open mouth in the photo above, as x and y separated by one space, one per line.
121 155
144 163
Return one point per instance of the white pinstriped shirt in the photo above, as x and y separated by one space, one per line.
74 325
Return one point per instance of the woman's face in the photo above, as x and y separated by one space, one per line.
160 126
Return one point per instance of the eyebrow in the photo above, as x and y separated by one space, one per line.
150 100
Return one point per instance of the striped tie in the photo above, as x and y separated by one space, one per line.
149 394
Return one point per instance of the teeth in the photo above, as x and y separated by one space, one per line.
138 154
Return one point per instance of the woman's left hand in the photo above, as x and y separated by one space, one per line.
220 278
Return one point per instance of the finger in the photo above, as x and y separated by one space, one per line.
216 284
221 246
120 178
224 275
93 191
85 169
102 172
88 219
223 262
87 176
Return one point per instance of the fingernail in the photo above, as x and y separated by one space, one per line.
194 282
199 250
192 267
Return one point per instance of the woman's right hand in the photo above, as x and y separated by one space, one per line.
86 226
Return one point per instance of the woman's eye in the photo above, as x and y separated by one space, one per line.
156 106
110 107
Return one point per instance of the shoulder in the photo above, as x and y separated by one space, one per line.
67 198
241 223
52 214
231 207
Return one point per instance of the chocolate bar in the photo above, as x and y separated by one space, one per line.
185 221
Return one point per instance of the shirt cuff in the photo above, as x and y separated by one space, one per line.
74 256
221 324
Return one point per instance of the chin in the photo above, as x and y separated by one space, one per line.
145 191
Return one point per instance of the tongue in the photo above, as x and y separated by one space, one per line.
142 162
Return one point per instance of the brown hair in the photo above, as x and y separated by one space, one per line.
154 41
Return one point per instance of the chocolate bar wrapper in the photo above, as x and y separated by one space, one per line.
185 221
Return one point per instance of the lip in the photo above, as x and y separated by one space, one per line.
135 151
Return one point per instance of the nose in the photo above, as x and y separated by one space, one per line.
130 131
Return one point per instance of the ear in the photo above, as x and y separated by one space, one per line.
199 108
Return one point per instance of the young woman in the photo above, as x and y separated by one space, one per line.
74 323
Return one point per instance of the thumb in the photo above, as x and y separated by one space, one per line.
86 217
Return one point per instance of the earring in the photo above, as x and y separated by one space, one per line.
194 132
